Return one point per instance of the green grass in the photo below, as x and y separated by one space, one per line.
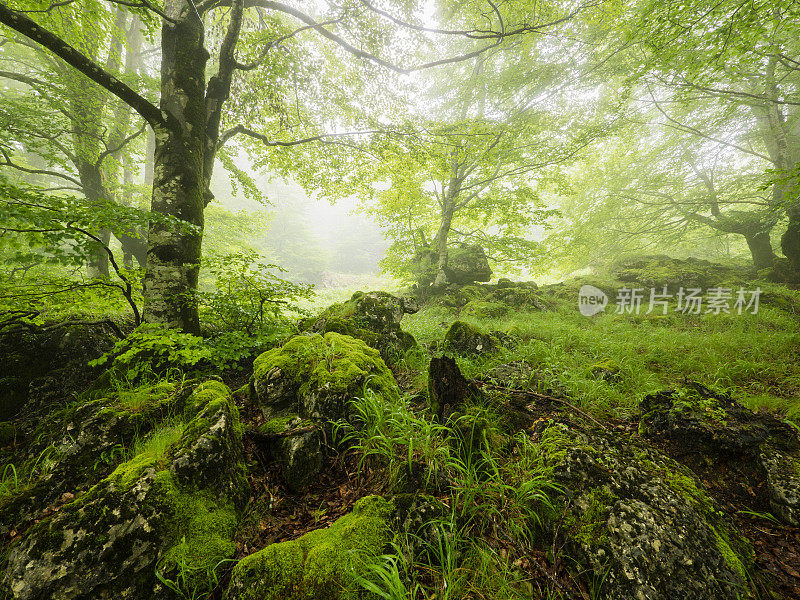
156 444
755 357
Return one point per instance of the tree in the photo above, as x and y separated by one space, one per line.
743 57
188 120
79 132
473 148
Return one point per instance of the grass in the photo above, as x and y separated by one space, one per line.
495 498
755 357
156 444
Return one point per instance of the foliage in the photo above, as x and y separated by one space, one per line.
248 297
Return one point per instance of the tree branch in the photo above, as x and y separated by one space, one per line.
22 24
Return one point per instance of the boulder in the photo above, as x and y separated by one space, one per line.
463 338
46 364
658 271
373 317
318 565
315 376
752 456
172 507
465 264
639 522
297 445
89 444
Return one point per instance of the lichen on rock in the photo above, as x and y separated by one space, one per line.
640 522
760 453
150 512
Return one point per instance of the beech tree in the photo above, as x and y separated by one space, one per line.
743 57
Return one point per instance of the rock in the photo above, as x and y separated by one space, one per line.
315 377
606 370
168 507
464 338
318 565
640 522
88 446
523 296
482 309
8 433
297 445
373 317
47 365
754 456
465 264
658 271
417 515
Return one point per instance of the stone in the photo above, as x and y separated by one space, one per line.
639 521
318 565
167 507
373 317
754 456
315 376
463 338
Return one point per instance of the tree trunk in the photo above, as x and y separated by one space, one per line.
761 249
440 243
91 181
173 254
790 243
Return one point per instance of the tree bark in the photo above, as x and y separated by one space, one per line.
173 252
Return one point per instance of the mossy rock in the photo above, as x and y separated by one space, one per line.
659 271
754 456
640 520
42 366
606 370
300 455
315 376
8 433
466 263
520 297
318 565
169 509
464 338
86 441
373 317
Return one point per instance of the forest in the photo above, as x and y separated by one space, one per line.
400 299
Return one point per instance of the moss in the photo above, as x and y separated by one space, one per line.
316 566
333 362
731 558
465 338
688 401
480 309
590 528
143 397
202 529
